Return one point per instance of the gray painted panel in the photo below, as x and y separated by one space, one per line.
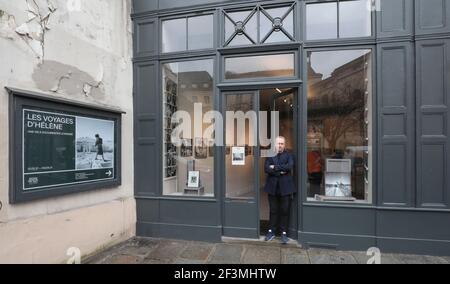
346 221
240 215
146 37
395 18
189 212
146 101
433 176
179 231
147 210
169 4
432 16
144 5
420 225
393 76
396 124
434 124
433 71
394 186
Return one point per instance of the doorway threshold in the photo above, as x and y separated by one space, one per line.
261 242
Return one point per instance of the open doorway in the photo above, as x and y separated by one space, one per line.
284 102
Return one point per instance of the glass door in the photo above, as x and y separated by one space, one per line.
249 117
240 214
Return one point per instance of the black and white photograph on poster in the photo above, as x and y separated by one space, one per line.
186 148
238 156
194 179
201 149
94 143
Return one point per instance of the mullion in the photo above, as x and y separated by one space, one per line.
338 19
187 33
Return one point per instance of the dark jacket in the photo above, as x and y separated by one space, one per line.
281 175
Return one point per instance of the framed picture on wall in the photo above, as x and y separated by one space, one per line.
238 156
194 179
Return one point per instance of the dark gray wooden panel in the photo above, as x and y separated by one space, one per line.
344 221
240 215
432 16
140 6
147 105
395 71
147 210
189 212
433 87
179 231
169 4
419 225
146 37
395 18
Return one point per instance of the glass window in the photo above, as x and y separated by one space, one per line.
240 177
355 19
277 24
339 129
241 28
260 25
200 32
322 21
190 33
260 66
174 35
188 156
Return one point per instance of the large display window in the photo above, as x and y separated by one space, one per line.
339 136
188 158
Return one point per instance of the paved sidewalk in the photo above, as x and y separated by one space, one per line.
158 251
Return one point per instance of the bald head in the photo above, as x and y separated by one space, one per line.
280 144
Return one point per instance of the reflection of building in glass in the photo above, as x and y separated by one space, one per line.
338 121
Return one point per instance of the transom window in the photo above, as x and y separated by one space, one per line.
188 33
259 25
338 19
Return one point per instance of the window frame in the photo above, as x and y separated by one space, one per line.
293 6
337 38
372 198
186 17
216 163
296 65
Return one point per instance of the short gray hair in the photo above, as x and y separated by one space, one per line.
281 137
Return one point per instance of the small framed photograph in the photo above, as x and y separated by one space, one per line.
194 179
238 156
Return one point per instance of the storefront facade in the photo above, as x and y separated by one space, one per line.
361 89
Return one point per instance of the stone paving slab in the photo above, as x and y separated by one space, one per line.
167 250
227 254
319 256
197 251
261 255
294 256
157 251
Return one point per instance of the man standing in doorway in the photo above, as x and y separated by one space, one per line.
280 187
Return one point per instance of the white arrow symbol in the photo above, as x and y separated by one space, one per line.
109 173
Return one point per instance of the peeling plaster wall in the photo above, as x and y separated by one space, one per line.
82 50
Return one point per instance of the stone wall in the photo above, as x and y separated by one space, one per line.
81 50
